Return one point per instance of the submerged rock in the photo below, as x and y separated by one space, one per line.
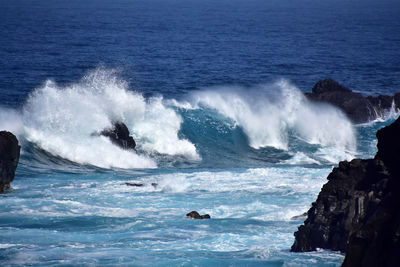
358 108
134 184
9 157
140 185
196 215
297 217
358 210
119 135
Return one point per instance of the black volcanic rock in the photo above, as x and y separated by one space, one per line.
196 215
353 189
358 108
389 146
119 135
358 210
9 156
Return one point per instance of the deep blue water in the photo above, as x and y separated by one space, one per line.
212 93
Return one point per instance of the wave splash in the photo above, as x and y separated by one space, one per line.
62 120
271 114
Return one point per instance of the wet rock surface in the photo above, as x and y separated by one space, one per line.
358 108
120 136
358 209
196 215
9 157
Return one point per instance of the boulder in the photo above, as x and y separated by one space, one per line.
9 157
119 135
358 210
196 215
358 108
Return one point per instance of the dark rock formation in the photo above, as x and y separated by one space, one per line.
389 146
196 215
358 210
119 135
9 156
358 108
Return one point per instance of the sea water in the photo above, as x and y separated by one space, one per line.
212 92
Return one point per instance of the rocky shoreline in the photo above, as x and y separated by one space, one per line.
358 210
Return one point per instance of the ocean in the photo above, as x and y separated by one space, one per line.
212 92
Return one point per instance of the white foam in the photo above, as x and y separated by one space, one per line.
300 158
269 113
62 120
258 180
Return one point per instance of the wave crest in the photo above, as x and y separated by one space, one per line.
270 114
62 120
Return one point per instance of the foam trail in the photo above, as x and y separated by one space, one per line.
269 114
62 120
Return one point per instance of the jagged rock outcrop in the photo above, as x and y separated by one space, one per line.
119 135
358 108
358 210
9 157
376 241
195 215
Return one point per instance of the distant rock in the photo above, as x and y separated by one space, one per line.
358 108
196 215
9 157
358 210
119 135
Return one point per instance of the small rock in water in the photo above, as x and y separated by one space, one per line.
299 216
195 215
139 185
120 136
133 184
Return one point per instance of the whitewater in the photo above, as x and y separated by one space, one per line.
254 158
65 121
213 92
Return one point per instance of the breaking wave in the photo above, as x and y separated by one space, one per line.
267 123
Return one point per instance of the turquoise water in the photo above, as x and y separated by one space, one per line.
212 92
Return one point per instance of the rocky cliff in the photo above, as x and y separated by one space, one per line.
358 209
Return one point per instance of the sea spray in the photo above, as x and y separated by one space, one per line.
65 120
217 126
269 114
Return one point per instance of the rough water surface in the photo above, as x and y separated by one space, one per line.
212 92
